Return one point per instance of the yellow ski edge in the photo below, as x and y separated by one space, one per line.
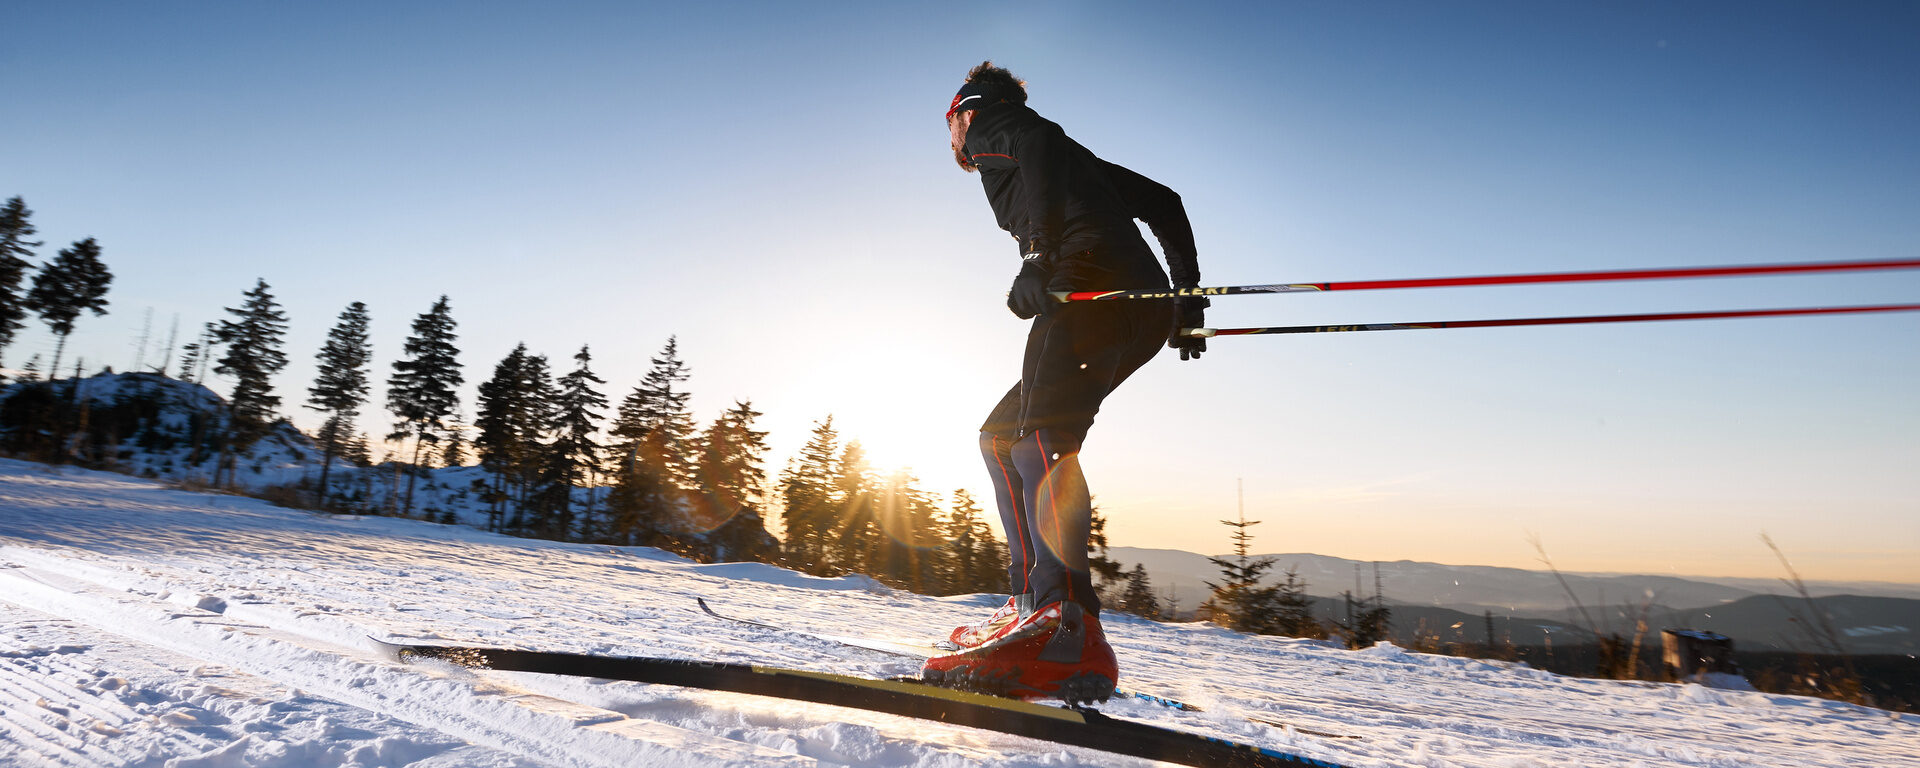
933 691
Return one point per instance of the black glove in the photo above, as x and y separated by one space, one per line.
1189 312
1029 294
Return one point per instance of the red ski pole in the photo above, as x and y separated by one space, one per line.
1543 277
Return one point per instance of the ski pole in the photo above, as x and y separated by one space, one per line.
1542 277
1211 332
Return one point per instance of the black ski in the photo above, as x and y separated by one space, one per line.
925 650
905 697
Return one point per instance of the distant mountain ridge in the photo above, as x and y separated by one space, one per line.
1451 602
1478 588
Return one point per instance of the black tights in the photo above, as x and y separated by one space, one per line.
1075 357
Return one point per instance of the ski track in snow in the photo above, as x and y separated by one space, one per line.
145 626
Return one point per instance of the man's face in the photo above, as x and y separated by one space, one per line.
957 137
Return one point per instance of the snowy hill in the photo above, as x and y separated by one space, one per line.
160 427
147 626
149 425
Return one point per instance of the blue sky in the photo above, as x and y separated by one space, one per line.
770 183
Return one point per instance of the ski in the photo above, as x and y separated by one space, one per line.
926 650
1657 316
904 697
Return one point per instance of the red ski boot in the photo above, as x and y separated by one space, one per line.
1001 622
1058 652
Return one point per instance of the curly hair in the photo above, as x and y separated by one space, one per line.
1003 80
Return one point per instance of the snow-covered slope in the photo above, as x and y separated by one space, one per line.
141 625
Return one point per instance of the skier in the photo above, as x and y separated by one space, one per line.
1072 215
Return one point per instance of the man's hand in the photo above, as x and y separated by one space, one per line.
1189 312
1029 296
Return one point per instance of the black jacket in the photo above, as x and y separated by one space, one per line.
1072 211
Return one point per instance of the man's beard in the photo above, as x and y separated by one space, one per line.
960 156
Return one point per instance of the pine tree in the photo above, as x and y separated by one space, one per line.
196 354
990 560
808 502
252 340
652 437
1238 601
733 485
853 534
341 386
635 505
1138 597
75 281
654 424
931 562
422 392
356 451
454 455
189 360
971 548
1107 574
573 455
16 225
1293 609
513 413
907 549
1369 620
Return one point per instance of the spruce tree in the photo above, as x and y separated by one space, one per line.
1293 609
1239 601
636 505
990 558
74 282
964 547
905 547
1106 572
807 495
195 356
189 360
252 340
538 390
422 392
654 424
16 225
356 450
572 457
454 455
652 436
927 537
341 386
1138 597
853 533
510 419
515 409
733 486
1369 620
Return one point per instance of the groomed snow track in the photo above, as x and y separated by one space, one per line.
301 654
143 626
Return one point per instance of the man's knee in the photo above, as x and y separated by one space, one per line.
992 446
1040 451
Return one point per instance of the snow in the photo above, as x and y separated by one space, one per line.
142 625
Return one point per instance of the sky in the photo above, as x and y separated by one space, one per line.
770 184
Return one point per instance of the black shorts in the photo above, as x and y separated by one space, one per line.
1077 355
